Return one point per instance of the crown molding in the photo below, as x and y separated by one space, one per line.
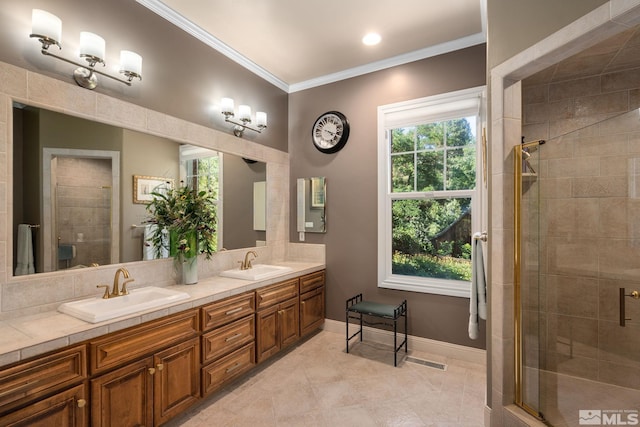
417 55
181 22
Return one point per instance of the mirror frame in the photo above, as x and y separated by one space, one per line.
48 93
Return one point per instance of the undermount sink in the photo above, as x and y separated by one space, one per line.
97 309
257 272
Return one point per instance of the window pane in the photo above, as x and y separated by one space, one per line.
459 132
432 238
461 168
402 173
430 136
403 139
430 169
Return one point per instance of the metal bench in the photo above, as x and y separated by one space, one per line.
356 308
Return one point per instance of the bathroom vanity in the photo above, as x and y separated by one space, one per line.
148 373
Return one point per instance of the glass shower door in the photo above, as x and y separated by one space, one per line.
587 218
83 225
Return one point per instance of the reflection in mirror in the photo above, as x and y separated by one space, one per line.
312 193
74 197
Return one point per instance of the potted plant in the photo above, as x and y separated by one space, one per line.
189 216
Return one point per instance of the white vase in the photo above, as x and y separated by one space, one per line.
190 270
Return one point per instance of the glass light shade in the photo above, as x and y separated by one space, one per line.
261 118
130 62
244 112
91 45
226 105
46 24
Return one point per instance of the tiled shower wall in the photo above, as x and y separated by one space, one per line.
589 228
83 209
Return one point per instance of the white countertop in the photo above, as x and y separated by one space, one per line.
28 336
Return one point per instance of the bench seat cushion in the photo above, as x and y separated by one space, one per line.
374 309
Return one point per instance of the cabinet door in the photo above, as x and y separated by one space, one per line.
267 330
124 397
311 310
289 322
67 408
177 380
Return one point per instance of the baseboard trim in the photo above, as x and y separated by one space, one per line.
440 348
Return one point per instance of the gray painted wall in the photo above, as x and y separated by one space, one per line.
351 236
181 75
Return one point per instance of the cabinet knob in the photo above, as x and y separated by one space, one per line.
152 371
160 366
81 403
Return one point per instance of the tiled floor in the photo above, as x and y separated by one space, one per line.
317 384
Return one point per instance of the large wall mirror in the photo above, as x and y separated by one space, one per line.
312 196
80 189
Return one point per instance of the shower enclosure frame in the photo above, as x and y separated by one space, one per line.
517 279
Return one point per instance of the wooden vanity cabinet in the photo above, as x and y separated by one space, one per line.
147 374
277 318
312 302
45 391
67 408
151 382
228 341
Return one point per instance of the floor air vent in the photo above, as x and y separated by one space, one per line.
428 363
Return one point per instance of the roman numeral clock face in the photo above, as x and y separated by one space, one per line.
330 132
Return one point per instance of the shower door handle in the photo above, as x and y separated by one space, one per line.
623 294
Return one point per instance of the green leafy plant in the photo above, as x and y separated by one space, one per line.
190 218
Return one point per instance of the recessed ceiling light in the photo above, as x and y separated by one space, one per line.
371 39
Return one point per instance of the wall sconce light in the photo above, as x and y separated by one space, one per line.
244 117
47 28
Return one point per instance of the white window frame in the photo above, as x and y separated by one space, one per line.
192 152
452 105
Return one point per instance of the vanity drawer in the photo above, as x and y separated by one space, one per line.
228 368
311 281
44 375
228 338
227 310
121 347
277 293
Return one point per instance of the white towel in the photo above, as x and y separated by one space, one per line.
478 298
149 251
24 254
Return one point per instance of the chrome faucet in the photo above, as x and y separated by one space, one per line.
116 291
246 264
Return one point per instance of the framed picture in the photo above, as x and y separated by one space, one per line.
143 186
317 192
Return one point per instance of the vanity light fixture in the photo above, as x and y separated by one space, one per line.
47 28
244 117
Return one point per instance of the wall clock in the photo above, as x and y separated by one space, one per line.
330 132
